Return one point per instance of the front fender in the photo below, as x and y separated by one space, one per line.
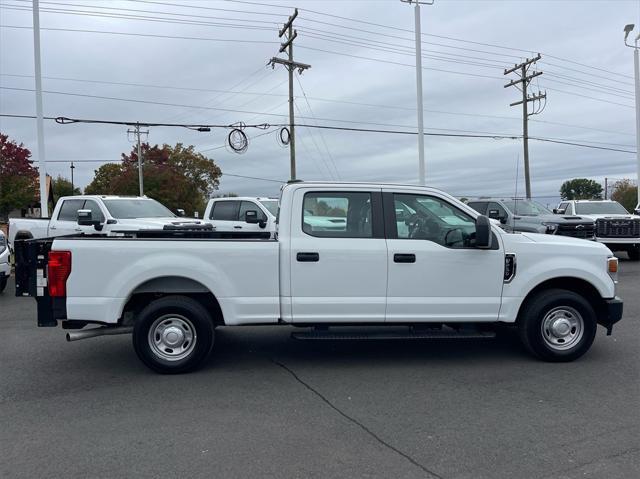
531 272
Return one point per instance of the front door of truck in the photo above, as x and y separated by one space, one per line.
435 273
338 256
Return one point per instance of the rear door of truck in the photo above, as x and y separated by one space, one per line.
338 266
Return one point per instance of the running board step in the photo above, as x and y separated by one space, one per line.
380 335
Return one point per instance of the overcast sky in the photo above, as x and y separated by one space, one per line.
588 77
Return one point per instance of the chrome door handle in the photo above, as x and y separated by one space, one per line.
238 227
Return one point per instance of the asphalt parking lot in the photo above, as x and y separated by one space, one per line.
270 406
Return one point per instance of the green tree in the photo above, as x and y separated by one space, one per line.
581 189
62 187
625 193
18 177
176 176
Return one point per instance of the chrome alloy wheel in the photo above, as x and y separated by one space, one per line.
562 328
172 337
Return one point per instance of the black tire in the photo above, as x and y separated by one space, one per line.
3 282
188 319
634 253
541 309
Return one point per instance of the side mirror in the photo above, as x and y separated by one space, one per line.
180 212
495 215
484 235
558 211
85 218
251 217
636 211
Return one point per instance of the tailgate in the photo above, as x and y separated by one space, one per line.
31 279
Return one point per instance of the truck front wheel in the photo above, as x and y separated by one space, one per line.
634 252
557 325
173 335
3 282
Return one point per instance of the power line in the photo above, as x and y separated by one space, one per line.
85 13
398 63
328 100
343 128
148 35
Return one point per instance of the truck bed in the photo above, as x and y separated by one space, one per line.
240 268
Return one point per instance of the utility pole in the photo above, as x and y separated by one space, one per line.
606 187
72 185
290 65
42 161
418 33
524 79
636 74
137 132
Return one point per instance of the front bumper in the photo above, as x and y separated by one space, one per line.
621 241
611 313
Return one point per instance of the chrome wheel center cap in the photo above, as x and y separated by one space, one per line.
561 327
173 336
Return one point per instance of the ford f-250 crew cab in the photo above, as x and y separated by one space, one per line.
406 256
115 213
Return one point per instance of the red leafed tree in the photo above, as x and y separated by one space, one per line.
177 176
18 177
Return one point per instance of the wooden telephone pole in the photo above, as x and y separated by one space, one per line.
524 79
290 65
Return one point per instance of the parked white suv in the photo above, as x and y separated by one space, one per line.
229 214
615 226
5 267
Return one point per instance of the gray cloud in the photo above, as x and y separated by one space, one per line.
585 32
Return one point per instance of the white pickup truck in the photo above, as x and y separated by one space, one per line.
228 214
615 226
441 271
113 213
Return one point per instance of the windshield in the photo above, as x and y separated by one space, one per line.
600 208
137 208
526 208
271 205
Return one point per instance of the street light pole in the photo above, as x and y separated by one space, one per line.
42 162
636 71
418 32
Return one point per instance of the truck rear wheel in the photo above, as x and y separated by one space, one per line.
173 335
634 253
557 325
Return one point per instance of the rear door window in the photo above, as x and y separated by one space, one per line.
479 206
69 210
225 211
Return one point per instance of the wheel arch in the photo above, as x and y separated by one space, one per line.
170 285
569 283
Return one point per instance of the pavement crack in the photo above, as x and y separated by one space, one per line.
356 422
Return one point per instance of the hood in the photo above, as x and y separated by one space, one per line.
557 219
566 241
154 223
613 217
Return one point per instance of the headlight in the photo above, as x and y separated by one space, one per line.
612 268
3 243
551 227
